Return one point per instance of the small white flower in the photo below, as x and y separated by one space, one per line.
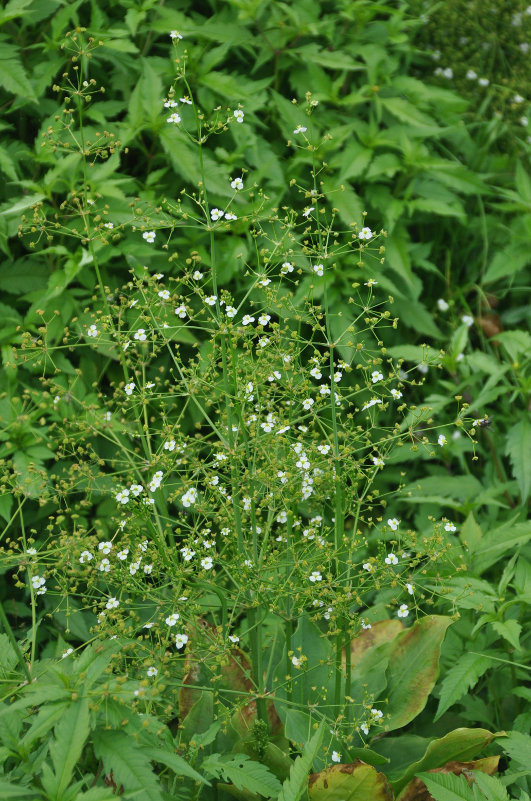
372 402
180 641
300 129
263 342
371 282
189 497
264 319
104 565
364 728
315 576
105 547
467 319
230 311
129 388
164 294
365 625
67 653
403 611
308 403
287 267
336 756
247 319
319 270
296 661
31 551
409 588
518 99
376 376
237 184
316 373
233 638
365 233
172 619
472 75
148 569
377 714
393 523
216 214
108 225
324 449
441 440
450 527
422 368
187 554
197 275
136 489
396 394
112 603
308 211
391 559
368 567
238 114
122 555
170 104
86 556
378 461
92 331
180 311
230 216
140 335
151 671
38 581
174 118
442 305
211 300
175 35
483 81
207 563
149 236
524 121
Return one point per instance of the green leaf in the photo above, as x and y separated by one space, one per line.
518 449
294 787
129 764
470 533
354 782
460 678
510 630
70 735
15 8
490 786
447 787
8 656
409 682
177 764
406 112
518 746
243 772
14 79
9 790
500 541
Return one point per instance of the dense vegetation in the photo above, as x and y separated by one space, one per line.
265 445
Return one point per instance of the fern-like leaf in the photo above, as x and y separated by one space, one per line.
460 678
296 784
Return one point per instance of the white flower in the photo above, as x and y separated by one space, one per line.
140 335
129 388
471 75
180 311
324 449
393 523
364 728
308 403
112 603
467 319
108 225
365 233
524 121
174 118
170 104
67 653
365 625
403 611
450 527
92 331
368 567
370 282
105 547
86 556
187 554
524 47
247 319
264 319
377 461
169 445
372 402
38 581
376 376
396 394
133 567
207 563
483 81
151 671
316 373
230 311
308 211
122 555
391 559
442 305
237 184
164 294
422 368
287 267
296 661
149 236
189 497
518 99
175 35
211 300
180 641
238 114
319 270
409 588
104 565
230 216
216 214
315 576
441 440
233 638
197 275
377 714
336 756
300 129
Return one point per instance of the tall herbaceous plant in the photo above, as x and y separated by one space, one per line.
219 501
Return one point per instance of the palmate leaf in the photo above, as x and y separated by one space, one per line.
460 678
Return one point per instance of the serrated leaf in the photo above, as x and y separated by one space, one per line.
447 787
129 764
177 764
518 449
490 786
70 736
243 772
10 790
13 78
294 787
518 745
510 630
460 678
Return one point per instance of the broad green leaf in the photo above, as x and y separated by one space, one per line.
460 678
470 533
447 787
354 782
12 790
510 630
294 787
518 746
177 764
70 736
129 764
244 773
409 682
518 449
